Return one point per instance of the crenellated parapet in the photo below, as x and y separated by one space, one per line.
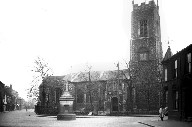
144 5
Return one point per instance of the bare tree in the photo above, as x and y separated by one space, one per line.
41 70
87 77
130 86
91 87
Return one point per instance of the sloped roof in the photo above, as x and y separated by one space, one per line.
94 76
168 54
100 75
188 48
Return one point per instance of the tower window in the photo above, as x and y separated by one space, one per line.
143 56
143 28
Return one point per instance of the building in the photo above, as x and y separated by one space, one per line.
106 91
8 98
146 56
177 80
1 96
141 93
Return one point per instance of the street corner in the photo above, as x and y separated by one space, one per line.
166 123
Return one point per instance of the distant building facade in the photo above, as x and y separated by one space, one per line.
146 56
8 98
94 91
177 80
1 96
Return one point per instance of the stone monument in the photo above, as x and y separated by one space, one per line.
66 106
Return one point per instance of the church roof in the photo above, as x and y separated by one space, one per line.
97 75
168 54
94 76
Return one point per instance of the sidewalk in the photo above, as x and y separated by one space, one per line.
166 123
7 111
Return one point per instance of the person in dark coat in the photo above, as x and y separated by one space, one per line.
161 113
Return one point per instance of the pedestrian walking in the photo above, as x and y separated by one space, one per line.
26 108
161 113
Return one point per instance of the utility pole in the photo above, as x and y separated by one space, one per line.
90 92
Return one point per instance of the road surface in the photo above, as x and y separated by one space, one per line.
28 118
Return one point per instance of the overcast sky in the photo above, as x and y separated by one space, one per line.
69 34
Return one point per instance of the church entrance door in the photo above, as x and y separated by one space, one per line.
114 102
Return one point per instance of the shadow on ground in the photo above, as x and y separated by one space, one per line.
51 116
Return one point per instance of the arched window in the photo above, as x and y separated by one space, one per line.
80 96
58 93
143 54
143 28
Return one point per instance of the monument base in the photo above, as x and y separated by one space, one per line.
66 117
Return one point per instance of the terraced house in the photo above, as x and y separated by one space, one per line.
177 82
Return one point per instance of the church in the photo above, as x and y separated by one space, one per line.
95 91
133 90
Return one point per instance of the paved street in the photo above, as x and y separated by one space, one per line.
30 119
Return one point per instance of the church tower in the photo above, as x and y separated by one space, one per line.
146 55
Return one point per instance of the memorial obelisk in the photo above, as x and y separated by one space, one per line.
66 106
